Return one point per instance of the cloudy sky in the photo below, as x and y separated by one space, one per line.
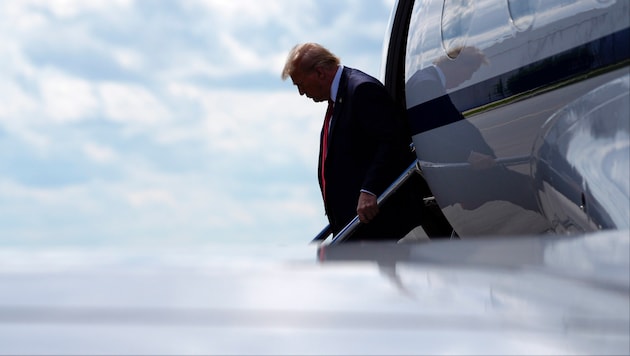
165 121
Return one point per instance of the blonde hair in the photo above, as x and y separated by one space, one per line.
307 56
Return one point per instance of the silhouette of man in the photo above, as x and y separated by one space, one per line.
364 144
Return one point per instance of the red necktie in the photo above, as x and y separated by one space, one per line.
327 118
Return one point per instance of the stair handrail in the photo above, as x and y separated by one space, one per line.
352 226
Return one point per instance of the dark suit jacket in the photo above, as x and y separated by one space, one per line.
368 148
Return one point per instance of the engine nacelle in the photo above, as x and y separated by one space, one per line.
581 161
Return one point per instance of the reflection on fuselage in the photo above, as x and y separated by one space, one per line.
475 111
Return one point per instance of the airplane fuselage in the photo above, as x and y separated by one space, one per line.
518 110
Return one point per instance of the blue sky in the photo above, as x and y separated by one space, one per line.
165 122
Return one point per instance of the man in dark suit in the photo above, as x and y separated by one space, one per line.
364 144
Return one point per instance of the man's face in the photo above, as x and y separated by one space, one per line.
312 84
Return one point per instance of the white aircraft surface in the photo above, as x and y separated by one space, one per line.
491 296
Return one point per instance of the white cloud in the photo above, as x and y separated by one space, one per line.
210 155
128 58
131 103
99 153
14 102
148 197
255 12
73 8
20 17
275 126
67 99
243 55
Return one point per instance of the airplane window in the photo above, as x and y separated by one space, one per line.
522 13
424 41
456 19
